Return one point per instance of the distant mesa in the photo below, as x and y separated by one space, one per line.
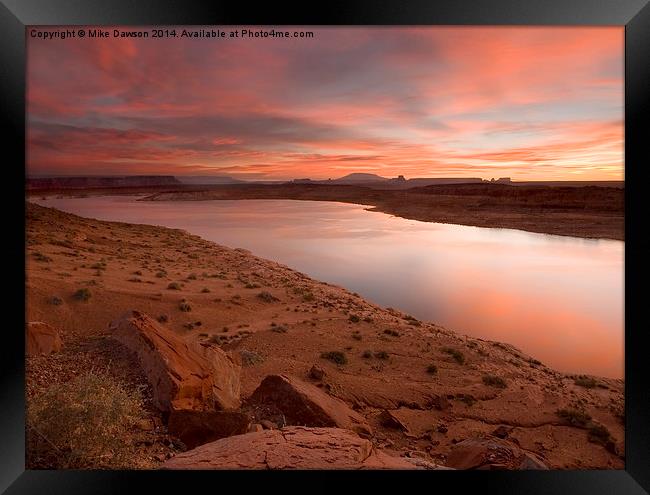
374 180
42 183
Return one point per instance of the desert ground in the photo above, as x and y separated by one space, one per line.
389 390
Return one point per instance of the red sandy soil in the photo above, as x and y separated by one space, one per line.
129 267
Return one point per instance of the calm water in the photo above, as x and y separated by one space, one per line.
559 299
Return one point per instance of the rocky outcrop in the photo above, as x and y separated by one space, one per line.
41 339
492 453
306 405
183 375
293 447
196 428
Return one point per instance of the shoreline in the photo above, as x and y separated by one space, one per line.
591 212
316 317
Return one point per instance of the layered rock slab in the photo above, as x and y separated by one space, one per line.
184 375
303 404
293 447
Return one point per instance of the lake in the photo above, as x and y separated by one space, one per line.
559 299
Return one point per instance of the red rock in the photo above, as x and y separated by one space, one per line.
491 453
183 375
41 339
389 420
306 405
293 447
316 372
196 428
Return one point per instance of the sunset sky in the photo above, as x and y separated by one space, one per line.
528 103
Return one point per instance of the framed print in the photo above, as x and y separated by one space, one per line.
367 241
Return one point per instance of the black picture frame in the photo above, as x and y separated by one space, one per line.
15 15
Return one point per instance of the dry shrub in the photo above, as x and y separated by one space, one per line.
82 423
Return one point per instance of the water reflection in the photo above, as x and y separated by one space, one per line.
557 298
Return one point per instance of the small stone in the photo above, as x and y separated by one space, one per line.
255 427
316 372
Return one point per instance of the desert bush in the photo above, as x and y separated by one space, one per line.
598 434
279 328
250 358
432 369
574 417
455 353
205 290
163 318
174 286
42 257
161 274
494 381
82 294
191 276
83 422
185 306
308 297
389 331
381 355
366 354
250 285
267 297
585 381
55 301
354 319
337 357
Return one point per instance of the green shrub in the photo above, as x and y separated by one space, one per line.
337 357
55 301
83 422
598 434
574 417
455 353
267 297
82 294
585 381
494 381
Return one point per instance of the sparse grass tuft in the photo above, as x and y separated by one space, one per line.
55 301
337 357
185 306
